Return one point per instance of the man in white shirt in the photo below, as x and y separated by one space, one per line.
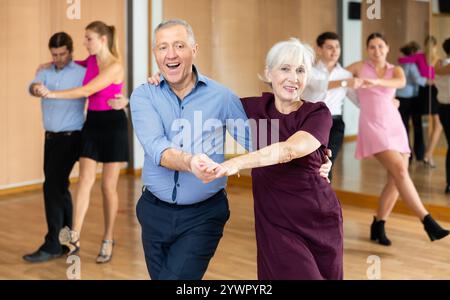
442 83
329 82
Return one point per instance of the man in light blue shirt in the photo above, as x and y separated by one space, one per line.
63 120
179 124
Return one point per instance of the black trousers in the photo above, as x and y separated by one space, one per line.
444 116
61 153
336 139
411 108
180 240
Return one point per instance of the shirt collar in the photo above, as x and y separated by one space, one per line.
70 65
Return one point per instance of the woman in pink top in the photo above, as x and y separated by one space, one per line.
382 135
104 135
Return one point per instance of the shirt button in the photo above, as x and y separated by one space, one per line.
182 107
178 185
181 145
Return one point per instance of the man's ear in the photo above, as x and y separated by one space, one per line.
318 51
195 50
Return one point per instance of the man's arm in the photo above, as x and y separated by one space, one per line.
416 77
37 82
316 87
148 125
149 130
175 159
237 122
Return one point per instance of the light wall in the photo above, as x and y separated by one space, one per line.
440 28
235 35
401 21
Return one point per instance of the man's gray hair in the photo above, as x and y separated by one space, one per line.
174 22
290 51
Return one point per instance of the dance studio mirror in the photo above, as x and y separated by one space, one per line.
402 22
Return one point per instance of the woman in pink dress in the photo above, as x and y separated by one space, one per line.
382 135
104 137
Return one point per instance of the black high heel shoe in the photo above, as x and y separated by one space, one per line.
378 233
433 229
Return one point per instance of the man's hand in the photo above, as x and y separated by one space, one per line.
370 83
325 169
41 91
154 80
34 89
227 168
118 103
199 165
355 83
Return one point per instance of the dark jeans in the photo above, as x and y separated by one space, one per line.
61 153
180 240
444 116
336 139
411 108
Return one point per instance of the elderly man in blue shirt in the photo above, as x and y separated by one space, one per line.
62 121
181 124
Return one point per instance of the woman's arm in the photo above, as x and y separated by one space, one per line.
82 63
398 81
298 145
101 81
355 68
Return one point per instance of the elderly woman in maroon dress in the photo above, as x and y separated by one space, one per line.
298 218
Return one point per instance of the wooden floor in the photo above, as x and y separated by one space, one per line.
368 177
22 227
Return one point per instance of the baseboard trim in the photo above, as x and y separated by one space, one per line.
350 138
38 186
361 200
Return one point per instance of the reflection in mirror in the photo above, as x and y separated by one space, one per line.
415 31
440 28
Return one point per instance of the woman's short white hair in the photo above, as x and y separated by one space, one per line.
291 51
